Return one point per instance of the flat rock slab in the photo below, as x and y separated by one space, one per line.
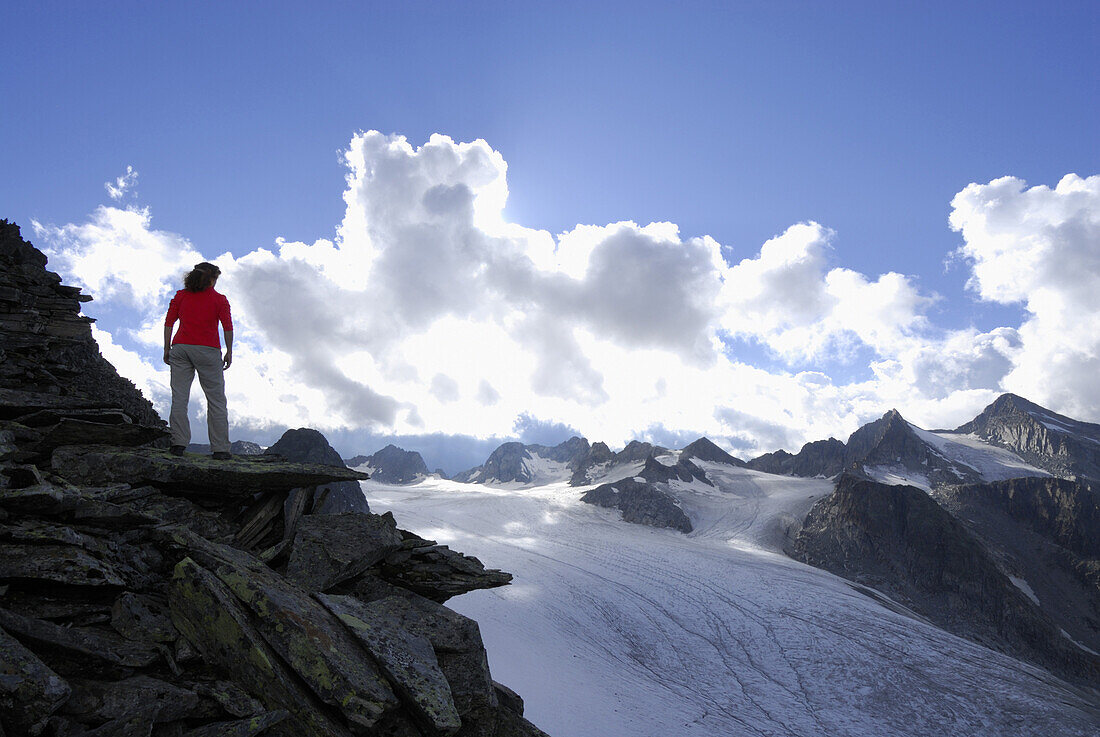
251 727
70 431
105 646
15 403
190 475
212 619
309 638
29 691
437 572
407 659
331 549
92 506
95 701
65 564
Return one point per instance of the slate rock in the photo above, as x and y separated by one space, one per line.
250 727
142 618
303 633
446 629
97 701
306 445
407 659
330 549
233 700
66 564
437 572
192 476
29 691
71 431
100 644
212 619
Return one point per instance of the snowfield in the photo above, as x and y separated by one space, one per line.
617 630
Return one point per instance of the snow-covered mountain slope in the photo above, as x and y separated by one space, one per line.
614 629
966 457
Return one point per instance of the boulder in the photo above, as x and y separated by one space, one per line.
436 571
29 691
306 445
309 639
407 659
331 549
210 617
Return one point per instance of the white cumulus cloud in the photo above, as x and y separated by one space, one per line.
430 313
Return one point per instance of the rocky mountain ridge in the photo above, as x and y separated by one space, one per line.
392 465
148 594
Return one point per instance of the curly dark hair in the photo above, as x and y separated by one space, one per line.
201 277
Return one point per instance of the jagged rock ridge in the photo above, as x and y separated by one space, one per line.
145 593
392 465
1058 444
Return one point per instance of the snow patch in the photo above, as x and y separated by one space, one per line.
898 476
1022 585
988 461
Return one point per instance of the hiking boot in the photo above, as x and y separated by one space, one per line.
177 450
221 455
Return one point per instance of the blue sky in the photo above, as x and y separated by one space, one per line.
732 120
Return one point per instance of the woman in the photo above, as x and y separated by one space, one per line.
196 347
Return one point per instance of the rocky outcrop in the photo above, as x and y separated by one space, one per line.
641 502
822 458
897 540
600 461
392 465
1055 443
1044 532
683 470
237 448
598 456
48 347
705 450
306 445
149 594
887 445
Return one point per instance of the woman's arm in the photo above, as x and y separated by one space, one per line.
167 341
228 360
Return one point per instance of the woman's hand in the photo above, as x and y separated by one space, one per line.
228 360
166 351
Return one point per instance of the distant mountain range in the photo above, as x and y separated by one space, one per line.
990 531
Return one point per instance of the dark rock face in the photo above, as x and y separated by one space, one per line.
1046 532
705 450
148 594
899 541
820 458
306 445
1057 444
237 448
640 502
393 465
47 345
683 470
598 455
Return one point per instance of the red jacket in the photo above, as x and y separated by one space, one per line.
199 314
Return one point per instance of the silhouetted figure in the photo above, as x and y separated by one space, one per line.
196 347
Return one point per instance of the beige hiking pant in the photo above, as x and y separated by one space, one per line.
185 360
